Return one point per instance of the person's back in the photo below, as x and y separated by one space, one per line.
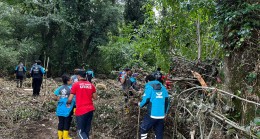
158 98
63 112
37 71
83 90
20 70
90 75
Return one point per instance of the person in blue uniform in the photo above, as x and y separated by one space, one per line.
90 74
20 71
63 112
157 100
37 72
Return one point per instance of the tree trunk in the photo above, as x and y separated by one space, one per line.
239 66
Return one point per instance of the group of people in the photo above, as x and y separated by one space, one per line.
76 97
77 94
36 72
155 97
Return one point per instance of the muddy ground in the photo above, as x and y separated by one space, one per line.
26 117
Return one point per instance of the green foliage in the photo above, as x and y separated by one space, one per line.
15 41
134 11
93 32
251 77
238 23
162 35
257 121
66 31
184 30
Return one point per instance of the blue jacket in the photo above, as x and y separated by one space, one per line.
156 98
90 72
63 92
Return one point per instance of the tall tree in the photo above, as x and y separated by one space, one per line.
134 11
238 26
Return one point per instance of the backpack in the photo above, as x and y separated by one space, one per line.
20 70
119 76
36 72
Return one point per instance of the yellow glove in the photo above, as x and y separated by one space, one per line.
74 110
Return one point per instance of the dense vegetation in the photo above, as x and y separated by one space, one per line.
111 34
106 35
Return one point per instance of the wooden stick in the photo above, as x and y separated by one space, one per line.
230 122
46 91
137 133
233 124
198 39
192 134
182 79
44 62
200 79
211 130
44 65
217 91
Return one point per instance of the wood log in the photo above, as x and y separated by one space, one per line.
200 79
181 79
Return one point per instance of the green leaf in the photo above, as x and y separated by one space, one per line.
257 121
258 134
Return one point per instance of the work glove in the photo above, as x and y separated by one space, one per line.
74 110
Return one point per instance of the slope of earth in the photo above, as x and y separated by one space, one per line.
24 116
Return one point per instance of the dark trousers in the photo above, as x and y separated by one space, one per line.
148 123
84 125
65 122
19 80
89 78
36 84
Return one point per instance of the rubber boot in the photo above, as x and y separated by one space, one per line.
21 84
66 135
17 84
60 134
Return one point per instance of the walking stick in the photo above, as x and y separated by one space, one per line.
44 65
47 66
137 133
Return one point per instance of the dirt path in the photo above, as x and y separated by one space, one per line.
26 117
23 123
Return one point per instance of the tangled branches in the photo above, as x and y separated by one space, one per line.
198 111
